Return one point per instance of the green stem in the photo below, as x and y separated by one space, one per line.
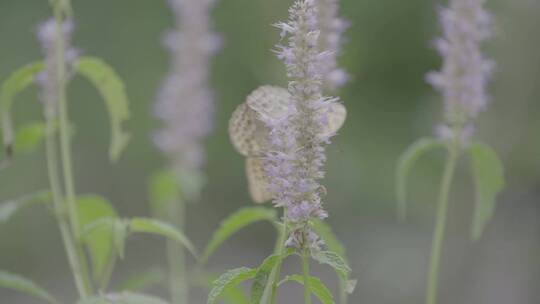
442 214
66 154
179 289
305 268
63 222
270 290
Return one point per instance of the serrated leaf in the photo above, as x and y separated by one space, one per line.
123 298
16 82
97 217
29 137
488 173
334 260
152 226
23 285
261 278
111 88
237 221
316 287
10 208
143 280
229 280
405 164
164 190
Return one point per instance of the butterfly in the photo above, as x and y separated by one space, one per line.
249 135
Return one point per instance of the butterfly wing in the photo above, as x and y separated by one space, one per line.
243 129
257 180
269 102
336 118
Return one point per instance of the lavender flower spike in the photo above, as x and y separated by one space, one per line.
48 79
185 104
332 28
296 147
465 72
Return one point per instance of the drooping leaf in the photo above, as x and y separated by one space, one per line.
334 260
97 218
261 278
488 172
10 208
16 83
29 137
405 164
23 285
164 190
239 220
123 298
316 287
229 280
143 280
111 88
156 227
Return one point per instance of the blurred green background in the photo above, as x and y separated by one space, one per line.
388 53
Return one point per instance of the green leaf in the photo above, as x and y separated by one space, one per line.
143 280
112 89
235 295
324 230
97 217
16 82
316 287
229 280
123 298
18 283
29 137
334 260
164 190
239 220
261 278
152 226
10 208
405 164
488 172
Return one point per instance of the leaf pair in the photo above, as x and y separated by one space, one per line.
101 75
249 133
488 175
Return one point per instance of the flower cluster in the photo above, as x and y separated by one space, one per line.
185 103
296 154
332 28
465 72
48 79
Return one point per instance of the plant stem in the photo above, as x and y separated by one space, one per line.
63 222
179 289
270 290
442 214
82 267
305 268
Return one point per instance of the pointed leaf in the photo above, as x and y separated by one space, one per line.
123 298
18 283
239 220
9 208
17 82
488 172
29 137
97 217
111 88
152 226
261 278
405 164
316 287
229 280
334 260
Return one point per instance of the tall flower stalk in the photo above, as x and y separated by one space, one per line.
55 36
462 82
185 105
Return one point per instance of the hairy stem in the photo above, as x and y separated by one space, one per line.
442 214
179 289
70 200
305 268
